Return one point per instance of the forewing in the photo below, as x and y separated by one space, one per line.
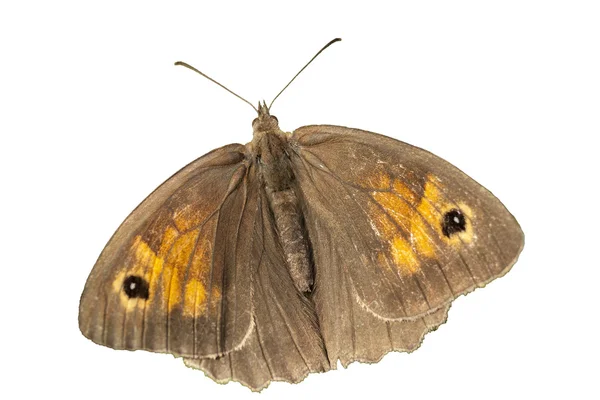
410 230
176 275
285 343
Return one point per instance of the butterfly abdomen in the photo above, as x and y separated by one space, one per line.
290 228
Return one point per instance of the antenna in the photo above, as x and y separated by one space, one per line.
303 68
243 99
212 80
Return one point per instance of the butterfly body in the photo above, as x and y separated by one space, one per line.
298 250
275 171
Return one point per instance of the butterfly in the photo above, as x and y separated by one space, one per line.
275 259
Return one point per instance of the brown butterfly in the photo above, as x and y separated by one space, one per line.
275 259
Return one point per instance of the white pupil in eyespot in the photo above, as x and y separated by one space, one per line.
456 220
132 286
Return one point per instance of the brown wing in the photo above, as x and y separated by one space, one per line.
350 331
285 343
176 275
411 231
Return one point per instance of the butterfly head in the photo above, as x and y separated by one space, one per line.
265 122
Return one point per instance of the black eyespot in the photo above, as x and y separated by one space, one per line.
136 287
454 222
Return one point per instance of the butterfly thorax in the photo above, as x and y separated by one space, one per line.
269 149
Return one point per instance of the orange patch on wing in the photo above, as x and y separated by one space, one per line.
169 236
398 209
425 218
404 255
404 191
195 291
404 214
400 250
173 289
195 296
190 260
382 223
419 237
426 207
163 270
198 279
396 215
177 273
177 263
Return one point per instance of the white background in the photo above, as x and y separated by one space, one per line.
93 116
